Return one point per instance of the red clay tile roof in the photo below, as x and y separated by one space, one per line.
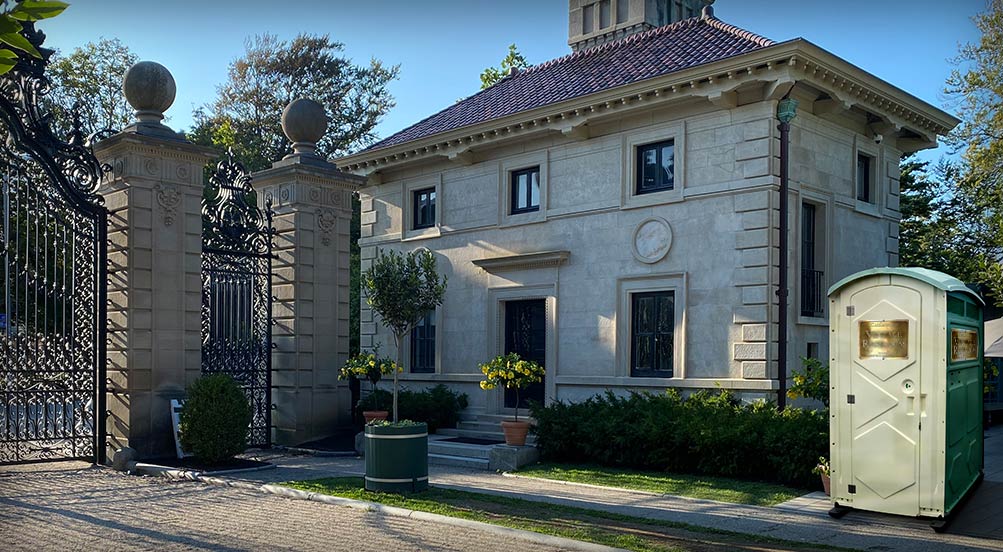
641 56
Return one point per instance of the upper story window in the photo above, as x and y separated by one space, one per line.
622 9
865 178
652 326
588 19
604 14
424 208
423 345
655 167
525 190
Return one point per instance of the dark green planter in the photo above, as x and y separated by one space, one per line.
397 458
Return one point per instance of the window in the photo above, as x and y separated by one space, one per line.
812 351
622 9
423 345
655 167
424 208
651 339
865 178
812 279
604 14
588 23
525 190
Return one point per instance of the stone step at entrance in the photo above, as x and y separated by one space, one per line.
483 451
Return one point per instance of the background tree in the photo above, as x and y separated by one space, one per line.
247 111
492 75
401 288
91 77
976 87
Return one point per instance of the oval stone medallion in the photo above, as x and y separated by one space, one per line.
652 240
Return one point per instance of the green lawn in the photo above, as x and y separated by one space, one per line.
581 524
694 486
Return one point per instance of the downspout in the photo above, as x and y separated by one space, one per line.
786 111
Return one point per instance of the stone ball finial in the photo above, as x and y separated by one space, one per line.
149 89
304 122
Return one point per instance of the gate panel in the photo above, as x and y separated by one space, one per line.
53 289
236 290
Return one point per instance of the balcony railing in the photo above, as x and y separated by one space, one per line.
812 293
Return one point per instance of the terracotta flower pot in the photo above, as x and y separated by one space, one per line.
515 432
825 483
371 415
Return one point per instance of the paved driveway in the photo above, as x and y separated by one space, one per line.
72 506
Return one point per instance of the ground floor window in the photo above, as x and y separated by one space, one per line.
423 345
651 334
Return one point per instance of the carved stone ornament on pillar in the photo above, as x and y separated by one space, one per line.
149 88
304 122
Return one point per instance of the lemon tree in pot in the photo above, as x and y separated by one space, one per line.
371 367
401 288
512 372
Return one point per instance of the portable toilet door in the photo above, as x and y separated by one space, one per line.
888 390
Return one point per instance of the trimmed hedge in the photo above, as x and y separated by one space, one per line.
437 406
214 421
705 433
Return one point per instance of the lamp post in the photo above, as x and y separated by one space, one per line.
786 111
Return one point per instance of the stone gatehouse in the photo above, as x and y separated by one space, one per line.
613 213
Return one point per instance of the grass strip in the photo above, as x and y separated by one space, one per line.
607 528
721 489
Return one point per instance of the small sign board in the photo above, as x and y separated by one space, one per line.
886 339
964 345
176 407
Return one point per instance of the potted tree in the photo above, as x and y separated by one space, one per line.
372 367
401 288
511 372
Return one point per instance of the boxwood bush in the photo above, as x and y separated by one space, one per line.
215 419
437 406
705 433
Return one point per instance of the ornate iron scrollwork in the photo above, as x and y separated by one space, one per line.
236 289
53 292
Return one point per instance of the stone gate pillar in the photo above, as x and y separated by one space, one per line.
312 200
154 197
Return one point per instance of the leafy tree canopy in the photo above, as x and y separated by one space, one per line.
91 77
492 75
401 288
247 112
976 86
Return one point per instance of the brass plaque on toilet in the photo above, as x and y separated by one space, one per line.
884 339
964 345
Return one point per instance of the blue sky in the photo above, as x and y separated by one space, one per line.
443 45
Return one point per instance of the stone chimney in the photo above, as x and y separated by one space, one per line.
595 22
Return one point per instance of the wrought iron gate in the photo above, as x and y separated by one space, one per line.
52 300
237 290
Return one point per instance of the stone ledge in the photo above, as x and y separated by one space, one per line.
509 458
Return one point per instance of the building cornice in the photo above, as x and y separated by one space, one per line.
528 260
777 67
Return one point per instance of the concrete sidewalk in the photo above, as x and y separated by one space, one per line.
804 519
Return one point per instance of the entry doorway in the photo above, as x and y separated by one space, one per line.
526 334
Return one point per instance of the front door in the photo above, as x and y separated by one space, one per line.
526 334
887 402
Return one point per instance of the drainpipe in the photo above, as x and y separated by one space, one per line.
786 111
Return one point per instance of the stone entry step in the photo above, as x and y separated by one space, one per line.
443 451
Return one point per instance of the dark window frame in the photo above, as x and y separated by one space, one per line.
654 334
418 222
813 292
514 207
423 345
639 155
865 178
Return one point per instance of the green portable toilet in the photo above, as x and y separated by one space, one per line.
905 392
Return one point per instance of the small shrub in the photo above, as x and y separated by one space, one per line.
812 382
705 433
215 419
437 406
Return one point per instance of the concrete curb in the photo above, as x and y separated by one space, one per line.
296 494
315 452
155 470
